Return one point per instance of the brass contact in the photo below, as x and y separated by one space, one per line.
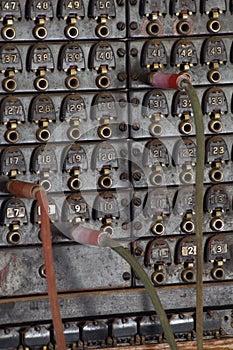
103 81
158 277
9 84
214 76
8 32
43 134
104 132
216 175
153 28
71 31
12 135
107 228
185 127
156 179
186 177
40 32
72 82
102 31
217 273
73 133
213 26
187 275
46 184
155 129
158 228
217 224
183 27
187 226
14 237
74 183
105 181
215 125
42 271
41 84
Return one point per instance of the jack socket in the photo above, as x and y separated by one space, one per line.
43 134
187 226
40 32
186 177
102 31
158 277
217 224
158 228
72 82
216 175
46 184
187 275
71 32
156 179
8 32
183 27
14 237
155 129
9 84
73 133
215 125
74 183
11 135
214 76
213 26
185 127
41 84
105 181
217 273
153 28
104 132
103 81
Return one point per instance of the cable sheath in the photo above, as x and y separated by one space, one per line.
200 156
126 255
49 268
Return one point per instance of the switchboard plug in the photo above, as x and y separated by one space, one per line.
162 80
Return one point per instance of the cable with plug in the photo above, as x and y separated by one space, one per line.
34 191
182 82
85 236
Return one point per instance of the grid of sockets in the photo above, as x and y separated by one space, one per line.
76 118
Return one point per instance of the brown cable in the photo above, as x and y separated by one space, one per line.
49 268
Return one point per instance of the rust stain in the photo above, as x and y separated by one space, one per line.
4 272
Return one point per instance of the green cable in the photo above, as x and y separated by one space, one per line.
125 254
200 159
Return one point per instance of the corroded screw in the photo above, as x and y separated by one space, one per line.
137 175
122 76
135 101
122 127
126 276
137 201
121 52
134 52
121 25
133 25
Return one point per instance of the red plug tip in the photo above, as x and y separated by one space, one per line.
167 80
